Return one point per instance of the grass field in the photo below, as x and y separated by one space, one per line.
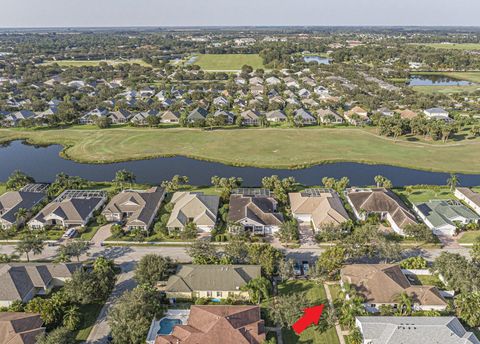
89 314
424 195
3 188
93 63
228 62
469 237
273 148
453 46
315 294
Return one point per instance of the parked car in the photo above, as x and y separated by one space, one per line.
71 233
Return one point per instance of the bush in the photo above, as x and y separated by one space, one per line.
414 263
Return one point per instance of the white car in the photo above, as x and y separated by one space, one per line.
72 232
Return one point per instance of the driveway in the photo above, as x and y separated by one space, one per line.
102 234
307 237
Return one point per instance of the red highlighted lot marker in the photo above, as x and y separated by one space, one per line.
310 316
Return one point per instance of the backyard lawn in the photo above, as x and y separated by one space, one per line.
228 62
316 294
270 147
469 237
424 195
89 314
3 188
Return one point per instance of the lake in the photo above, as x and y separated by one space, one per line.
317 59
43 163
436 80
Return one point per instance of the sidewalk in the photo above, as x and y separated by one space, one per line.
340 333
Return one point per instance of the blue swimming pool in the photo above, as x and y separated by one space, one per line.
166 326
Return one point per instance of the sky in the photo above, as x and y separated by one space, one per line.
113 13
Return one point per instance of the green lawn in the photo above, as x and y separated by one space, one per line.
270 147
424 195
446 89
89 314
316 294
469 237
228 62
453 46
430 280
94 63
3 188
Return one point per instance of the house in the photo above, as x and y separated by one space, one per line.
273 81
220 101
12 201
328 116
444 216
119 117
256 81
385 112
291 82
91 116
318 207
276 116
227 115
383 202
137 209
413 330
356 116
304 93
20 328
169 117
14 118
381 284
73 208
199 114
211 281
140 118
436 113
255 210
219 325
193 207
304 117
470 197
256 90
24 281
406 114
321 91
250 117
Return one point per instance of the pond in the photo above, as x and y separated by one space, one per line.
43 163
436 80
317 59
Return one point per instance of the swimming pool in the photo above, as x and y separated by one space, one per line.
166 326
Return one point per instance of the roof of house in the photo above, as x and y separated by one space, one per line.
20 328
12 201
211 277
435 111
193 205
381 200
142 205
303 114
445 212
414 330
219 325
383 283
250 114
356 110
324 206
198 113
278 114
18 279
473 196
259 209
170 115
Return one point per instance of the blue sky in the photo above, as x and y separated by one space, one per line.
75 13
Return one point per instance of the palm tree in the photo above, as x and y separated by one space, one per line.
453 181
21 215
405 304
30 243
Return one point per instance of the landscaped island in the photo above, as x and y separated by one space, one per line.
270 147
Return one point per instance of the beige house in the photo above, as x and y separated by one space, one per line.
193 207
211 281
382 284
136 208
318 207
470 197
356 116
11 202
20 328
169 117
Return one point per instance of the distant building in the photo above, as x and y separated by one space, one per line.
436 113
470 197
20 328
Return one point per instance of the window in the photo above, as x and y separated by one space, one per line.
219 294
209 294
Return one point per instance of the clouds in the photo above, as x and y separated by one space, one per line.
74 13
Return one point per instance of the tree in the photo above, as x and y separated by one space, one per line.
21 215
74 249
203 252
381 181
190 231
286 269
453 181
153 268
414 263
475 251
288 231
132 314
236 250
405 304
71 318
330 262
102 122
61 335
17 180
226 184
420 232
355 337
266 256
175 183
124 177
30 243
284 310
258 289
467 307
460 274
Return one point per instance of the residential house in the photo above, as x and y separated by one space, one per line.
444 216
256 81
141 118
256 90
321 91
20 328
304 117
470 197
170 117
273 81
328 116
13 119
276 116
91 116
12 201
385 112
24 281
291 82
227 115
219 325
304 93
193 207
220 101
383 202
381 284
119 117
406 113
73 208
357 116
414 330
255 210
436 113
137 209
199 114
318 207
250 117
211 281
